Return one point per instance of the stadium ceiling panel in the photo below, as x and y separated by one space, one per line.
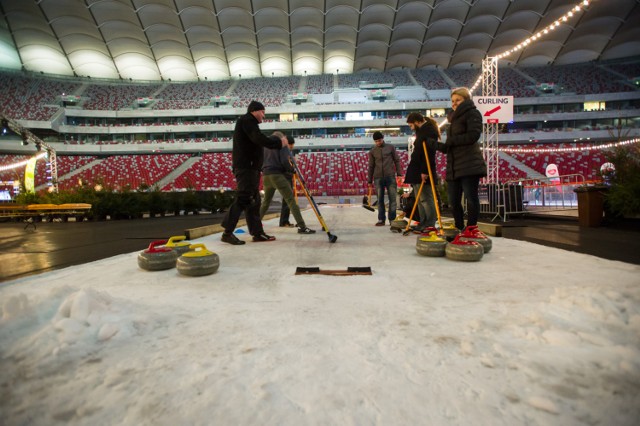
220 39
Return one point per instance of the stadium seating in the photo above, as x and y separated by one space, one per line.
122 172
317 84
586 163
212 171
115 96
430 79
270 91
579 79
336 172
33 97
395 78
189 95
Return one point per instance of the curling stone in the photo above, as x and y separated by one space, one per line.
157 258
398 225
198 261
431 245
472 233
178 244
450 231
466 251
427 231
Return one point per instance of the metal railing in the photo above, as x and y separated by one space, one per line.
530 195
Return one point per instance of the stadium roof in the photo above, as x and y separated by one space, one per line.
221 39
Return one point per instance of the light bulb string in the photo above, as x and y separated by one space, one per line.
546 30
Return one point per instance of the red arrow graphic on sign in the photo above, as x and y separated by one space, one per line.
491 111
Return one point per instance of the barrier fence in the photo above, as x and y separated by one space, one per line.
530 195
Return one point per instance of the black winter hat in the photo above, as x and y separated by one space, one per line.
255 106
377 135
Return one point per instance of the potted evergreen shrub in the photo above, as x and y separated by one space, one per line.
623 196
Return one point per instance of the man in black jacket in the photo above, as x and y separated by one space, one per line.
247 157
426 129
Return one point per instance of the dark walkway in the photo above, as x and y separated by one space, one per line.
57 245
619 241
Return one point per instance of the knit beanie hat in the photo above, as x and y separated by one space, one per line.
255 106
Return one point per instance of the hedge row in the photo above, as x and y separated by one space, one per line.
135 204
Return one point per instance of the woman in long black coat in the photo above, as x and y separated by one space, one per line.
465 164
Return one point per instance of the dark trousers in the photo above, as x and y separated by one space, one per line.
388 183
285 211
247 201
468 186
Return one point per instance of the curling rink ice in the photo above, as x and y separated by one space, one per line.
529 335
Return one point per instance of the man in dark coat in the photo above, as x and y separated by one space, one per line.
465 163
247 157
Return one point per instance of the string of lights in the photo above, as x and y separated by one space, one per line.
43 149
599 147
21 163
556 24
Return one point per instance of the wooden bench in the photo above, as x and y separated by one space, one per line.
33 213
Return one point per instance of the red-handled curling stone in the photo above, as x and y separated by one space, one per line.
466 251
472 233
198 261
157 257
178 244
431 245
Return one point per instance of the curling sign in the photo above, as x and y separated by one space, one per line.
495 109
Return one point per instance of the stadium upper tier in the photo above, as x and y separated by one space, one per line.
38 97
595 101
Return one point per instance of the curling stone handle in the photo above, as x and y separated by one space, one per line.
156 244
198 250
176 238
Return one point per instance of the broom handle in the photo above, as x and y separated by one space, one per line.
415 204
295 189
433 186
303 184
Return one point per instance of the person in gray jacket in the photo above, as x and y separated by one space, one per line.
284 210
276 172
384 166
